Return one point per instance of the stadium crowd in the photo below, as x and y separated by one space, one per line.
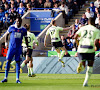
10 9
92 11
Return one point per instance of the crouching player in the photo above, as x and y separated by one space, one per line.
28 53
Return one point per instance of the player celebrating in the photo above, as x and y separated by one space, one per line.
88 35
28 53
55 39
16 32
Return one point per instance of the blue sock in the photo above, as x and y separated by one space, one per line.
17 70
7 68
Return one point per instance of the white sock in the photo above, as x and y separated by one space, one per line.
28 69
88 74
31 69
22 65
13 63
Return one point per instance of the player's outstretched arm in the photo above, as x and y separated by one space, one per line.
46 36
4 35
68 28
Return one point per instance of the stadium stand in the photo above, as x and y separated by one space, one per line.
74 12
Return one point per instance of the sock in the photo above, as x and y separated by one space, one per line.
88 74
31 69
22 65
7 68
28 69
13 63
62 54
17 70
58 55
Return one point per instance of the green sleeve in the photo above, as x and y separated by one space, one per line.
97 34
60 28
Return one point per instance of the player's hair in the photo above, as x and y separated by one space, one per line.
91 21
18 17
53 22
27 26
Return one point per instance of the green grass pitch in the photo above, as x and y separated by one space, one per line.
50 82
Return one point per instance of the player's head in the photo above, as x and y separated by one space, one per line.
18 21
27 26
91 21
53 22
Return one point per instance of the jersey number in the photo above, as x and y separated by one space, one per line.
86 33
52 32
29 39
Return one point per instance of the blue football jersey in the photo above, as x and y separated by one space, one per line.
16 36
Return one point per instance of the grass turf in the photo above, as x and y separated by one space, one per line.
50 82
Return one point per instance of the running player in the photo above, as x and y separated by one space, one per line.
16 32
28 53
88 36
55 39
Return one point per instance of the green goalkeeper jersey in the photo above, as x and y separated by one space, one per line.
88 34
30 37
54 33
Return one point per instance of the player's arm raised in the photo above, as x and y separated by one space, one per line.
68 28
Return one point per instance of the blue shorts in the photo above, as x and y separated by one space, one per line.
14 51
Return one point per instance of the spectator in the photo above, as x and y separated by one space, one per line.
76 24
21 9
40 4
3 50
53 2
69 45
2 3
88 13
72 32
83 21
47 4
70 5
34 4
13 2
62 1
97 19
17 3
12 6
6 21
64 9
75 8
26 2
99 8
96 3
98 25
6 8
55 10
1 13
92 7
96 12
63 40
13 16
28 7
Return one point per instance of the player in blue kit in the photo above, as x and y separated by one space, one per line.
16 32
